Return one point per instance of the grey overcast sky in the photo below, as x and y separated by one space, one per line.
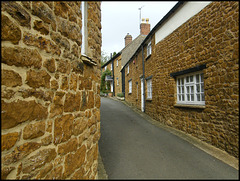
122 17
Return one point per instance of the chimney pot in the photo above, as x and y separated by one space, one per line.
145 27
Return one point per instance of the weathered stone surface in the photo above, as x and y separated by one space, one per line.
77 67
5 172
83 104
79 174
64 85
19 111
56 173
50 65
90 99
69 30
8 140
9 31
63 66
70 146
75 50
43 172
72 102
85 83
21 57
45 95
73 81
44 12
10 78
34 130
74 160
17 12
60 40
38 79
61 9
63 128
41 42
38 160
79 125
47 140
7 93
41 27
54 84
20 152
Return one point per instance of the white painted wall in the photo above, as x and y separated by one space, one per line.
184 13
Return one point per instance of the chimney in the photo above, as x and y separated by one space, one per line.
128 39
144 27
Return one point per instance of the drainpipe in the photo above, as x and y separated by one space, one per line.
143 77
113 79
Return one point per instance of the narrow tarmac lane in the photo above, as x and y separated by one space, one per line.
133 148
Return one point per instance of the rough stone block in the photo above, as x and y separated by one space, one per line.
9 31
19 111
8 140
21 57
10 78
34 130
38 79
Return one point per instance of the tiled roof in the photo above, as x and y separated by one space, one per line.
130 49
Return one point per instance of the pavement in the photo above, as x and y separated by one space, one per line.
207 148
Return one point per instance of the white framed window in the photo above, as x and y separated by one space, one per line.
117 81
127 69
130 86
149 49
84 7
149 89
190 89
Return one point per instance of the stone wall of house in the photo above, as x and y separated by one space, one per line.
50 115
117 74
211 37
135 74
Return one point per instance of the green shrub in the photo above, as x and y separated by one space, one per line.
120 94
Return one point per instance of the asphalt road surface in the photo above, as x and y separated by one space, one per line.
133 148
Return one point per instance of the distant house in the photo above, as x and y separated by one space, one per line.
116 63
185 73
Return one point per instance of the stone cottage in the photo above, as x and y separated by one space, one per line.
185 74
50 89
116 63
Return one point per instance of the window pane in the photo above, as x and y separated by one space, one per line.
179 90
203 97
198 88
202 88
187 89
183 97
192 91
188 97
182 81
192 97
201 77
187 79
191 78
197 78
198 97
182 89
179 97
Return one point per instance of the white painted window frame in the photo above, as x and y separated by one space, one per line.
149 89
84 47
190 89
149 48
130 86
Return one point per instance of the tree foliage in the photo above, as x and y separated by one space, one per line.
103 87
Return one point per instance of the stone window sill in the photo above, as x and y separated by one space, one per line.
88 60
148 57
149 100
190 106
